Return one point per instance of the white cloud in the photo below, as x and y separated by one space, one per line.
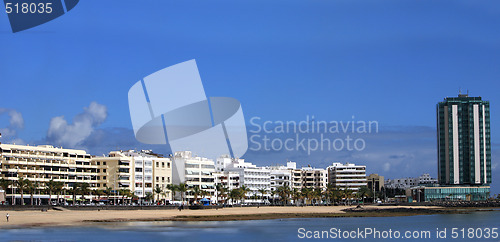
16 122
60 132
387 166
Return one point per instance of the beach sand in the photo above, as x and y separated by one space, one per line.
91 217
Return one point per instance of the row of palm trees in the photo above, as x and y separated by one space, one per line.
25 186
285 195
330 195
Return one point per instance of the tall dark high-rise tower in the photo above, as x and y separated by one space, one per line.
464 147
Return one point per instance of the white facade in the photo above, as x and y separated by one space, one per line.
282 175
409 182
252 177
347 175
194 171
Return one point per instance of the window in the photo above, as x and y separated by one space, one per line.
104 170
168 164
138 169
104 177
163 164
98 163
162 178
104 163
157 164
157 179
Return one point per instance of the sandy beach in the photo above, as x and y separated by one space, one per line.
91 217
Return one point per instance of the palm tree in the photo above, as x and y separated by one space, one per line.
243 192
223 193
125 193
148 196
173 189
158 191
263 192
317 194
50 187
22 185
75 188
234 195
4 184
284 193
296 195
273 195
108 191
58 188
182 188
328 193
218 190
84 190
306 194
196 191
31 189
347 194
99 193
363 192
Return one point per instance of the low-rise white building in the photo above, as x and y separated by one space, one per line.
250 176
194 171
282 175
409 182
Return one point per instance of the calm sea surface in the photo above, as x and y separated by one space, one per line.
475 224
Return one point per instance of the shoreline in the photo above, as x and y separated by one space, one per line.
86 218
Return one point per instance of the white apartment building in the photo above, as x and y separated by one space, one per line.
194 171
282 175
229 180
252 177
347 175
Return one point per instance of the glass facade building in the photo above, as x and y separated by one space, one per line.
464 147
450 193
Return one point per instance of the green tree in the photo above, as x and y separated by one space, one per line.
31 189
195 191
244 190
364 192
182 188
75 189
4 184
149 196
58 188
347 195
306 194
262 192
50 188
22 185
284 194
158 191
108 192
173 189
296 196
84 190
234 195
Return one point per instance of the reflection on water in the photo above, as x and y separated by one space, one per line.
256 230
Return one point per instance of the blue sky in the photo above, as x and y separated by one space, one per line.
389 61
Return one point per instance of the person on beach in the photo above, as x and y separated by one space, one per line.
7 216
